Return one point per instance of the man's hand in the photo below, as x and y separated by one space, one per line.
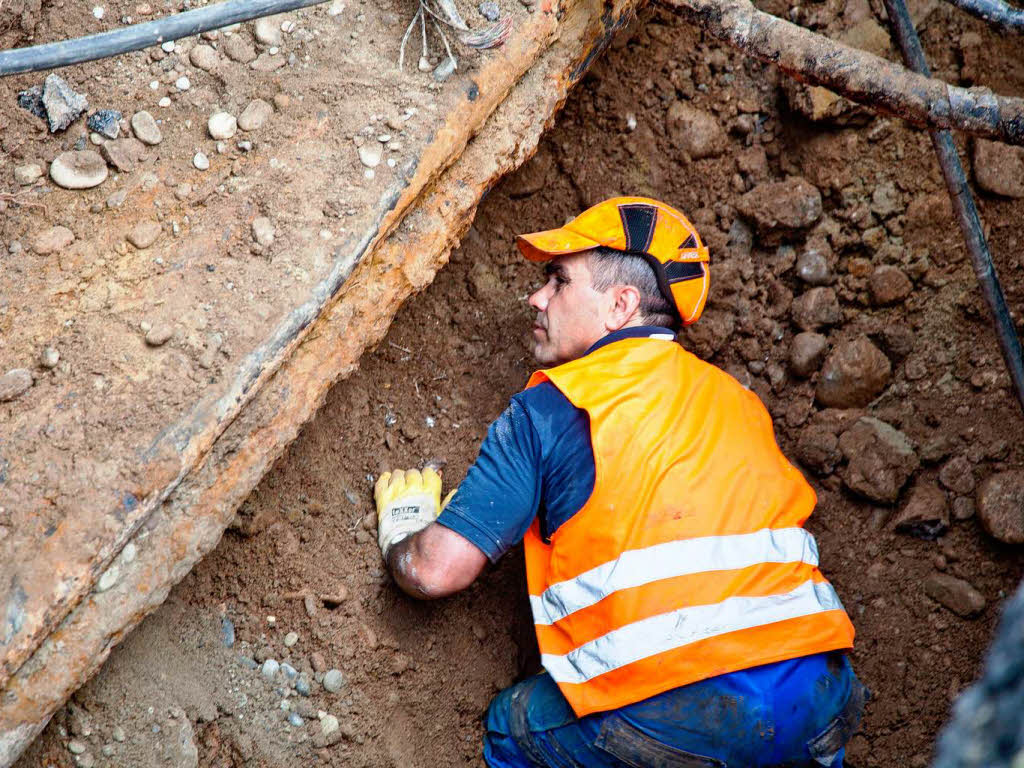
407 502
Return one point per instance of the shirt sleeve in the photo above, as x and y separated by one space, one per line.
499 498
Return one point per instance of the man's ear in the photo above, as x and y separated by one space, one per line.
625 307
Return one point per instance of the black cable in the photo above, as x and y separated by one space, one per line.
963 206
997 13
138 36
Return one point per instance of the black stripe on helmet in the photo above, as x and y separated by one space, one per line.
638 222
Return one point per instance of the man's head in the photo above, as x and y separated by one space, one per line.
590 294
624 262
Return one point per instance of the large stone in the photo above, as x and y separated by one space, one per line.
816 308
926 513
14 383
880 459
1001 506
83 169
52 240
807 352
888 285
781 207
853 375
999 168
694 131
63 106
955 594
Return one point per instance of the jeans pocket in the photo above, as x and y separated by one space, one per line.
826 745
635 748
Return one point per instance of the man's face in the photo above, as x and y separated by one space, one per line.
571 315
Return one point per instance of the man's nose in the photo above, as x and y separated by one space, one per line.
539 299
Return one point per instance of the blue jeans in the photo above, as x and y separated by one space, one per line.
792 713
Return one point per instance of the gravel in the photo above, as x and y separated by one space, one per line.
295 720
144 234
269 670
370 154
49 357
291 639
201 161
263 231
255 115
227 632
159 334
62 104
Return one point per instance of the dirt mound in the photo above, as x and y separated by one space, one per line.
937 415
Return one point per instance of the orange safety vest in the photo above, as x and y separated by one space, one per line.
689 560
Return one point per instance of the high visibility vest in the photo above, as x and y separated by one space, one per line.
689 560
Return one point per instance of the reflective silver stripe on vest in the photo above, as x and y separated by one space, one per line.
637 567
676 629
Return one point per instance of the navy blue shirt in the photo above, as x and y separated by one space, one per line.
536 460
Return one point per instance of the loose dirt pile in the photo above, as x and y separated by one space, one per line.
841 295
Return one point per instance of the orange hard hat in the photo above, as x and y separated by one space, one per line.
639 226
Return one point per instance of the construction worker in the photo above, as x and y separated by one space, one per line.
680 614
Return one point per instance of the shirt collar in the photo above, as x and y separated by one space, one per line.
634 332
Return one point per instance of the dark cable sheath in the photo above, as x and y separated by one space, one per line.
963 206
997 13
138 36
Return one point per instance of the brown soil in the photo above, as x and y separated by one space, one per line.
418 676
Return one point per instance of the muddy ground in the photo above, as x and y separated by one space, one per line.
417 677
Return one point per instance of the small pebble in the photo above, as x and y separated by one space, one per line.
145 128
164 102
227 632
269 670
489 10
255 115
97 12
85 760
333 680
118 733
302 686
49 357
129 552
106 122
328 724
167 46
108 579
144 234
182 83
201 161
78 170
263 231
107 750
295 720
222 125
245 661
28 174
75 747
289 672
159 334
291 639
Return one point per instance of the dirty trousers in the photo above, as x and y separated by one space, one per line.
798 713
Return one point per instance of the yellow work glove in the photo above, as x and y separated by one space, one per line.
407 501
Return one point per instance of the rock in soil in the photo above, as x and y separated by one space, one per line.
122 154
63 106
812 267
145 128
144 234
999 168
955 594
203 57
255 115
106 122
14 384
1000 506
222 126
781 207
49 357
31 99
28 174
53 240
268 30
263 231
881 459
926 513
159 334
854 374
239 49
333 680
888 285
816 308
818 449
807 352
82 169
694 131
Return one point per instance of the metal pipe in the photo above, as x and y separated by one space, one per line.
997 13
963 206
137 36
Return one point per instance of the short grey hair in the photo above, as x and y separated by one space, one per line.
609 267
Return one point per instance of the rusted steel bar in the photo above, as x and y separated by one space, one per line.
859 76
963 206
1000 15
